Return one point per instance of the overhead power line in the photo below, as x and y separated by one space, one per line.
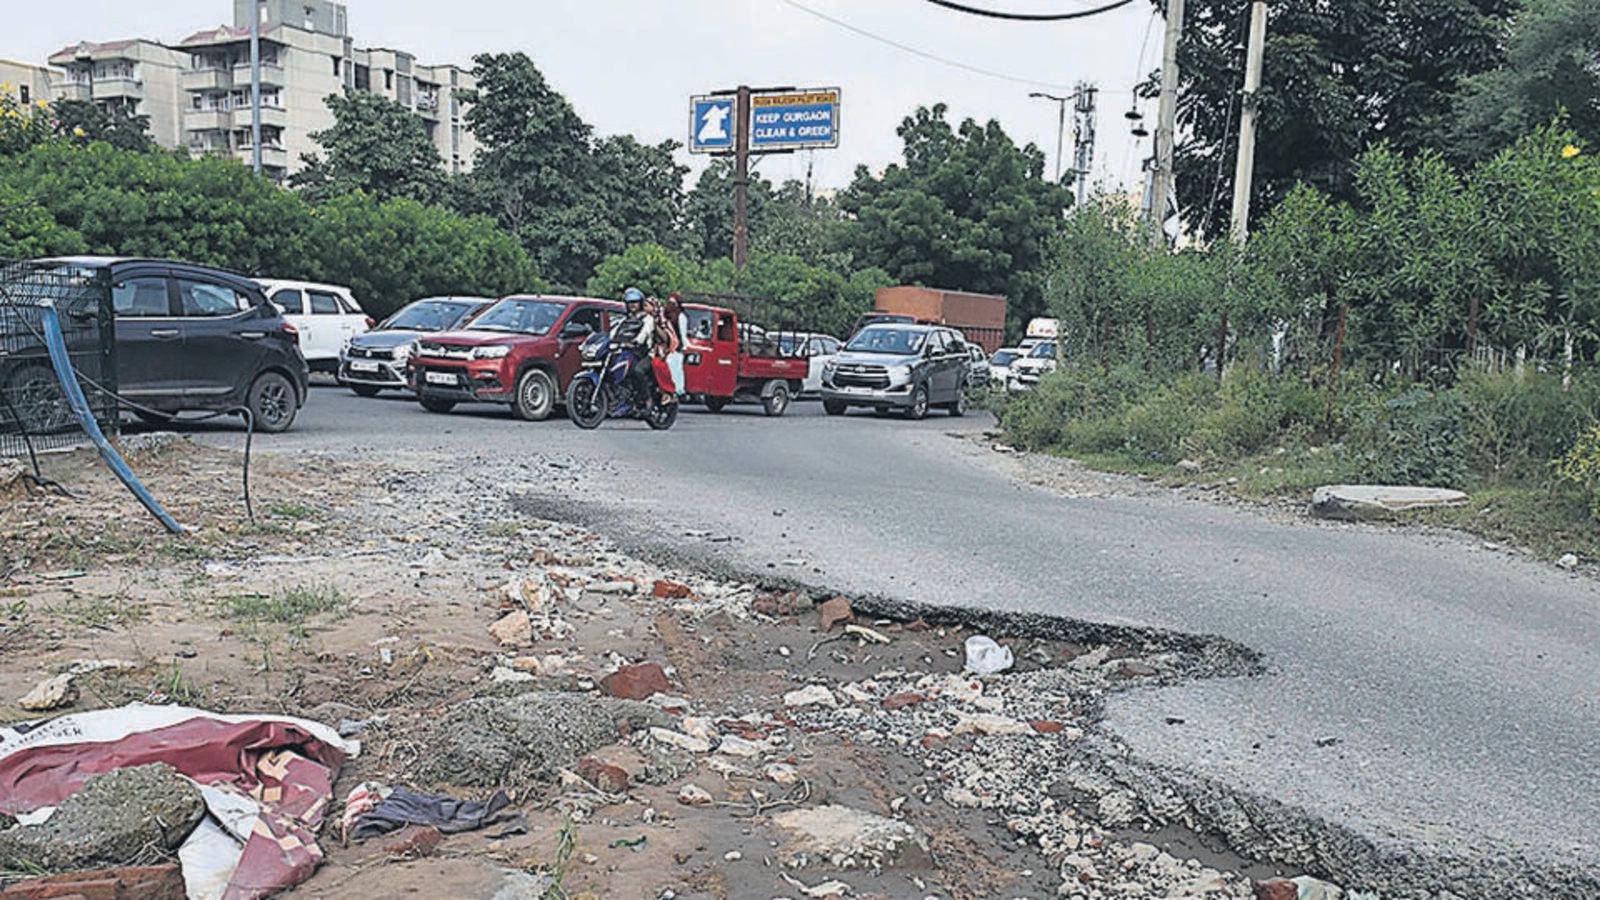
930 56
1029 17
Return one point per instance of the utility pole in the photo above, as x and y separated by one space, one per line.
1244 170
1162 183
255 86
741 177
1083 135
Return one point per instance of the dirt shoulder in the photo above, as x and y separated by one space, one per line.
796 750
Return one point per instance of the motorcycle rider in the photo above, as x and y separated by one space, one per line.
637 330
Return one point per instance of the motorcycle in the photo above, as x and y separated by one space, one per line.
603 389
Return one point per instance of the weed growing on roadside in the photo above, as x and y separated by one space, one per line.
294 511
101 612
293 604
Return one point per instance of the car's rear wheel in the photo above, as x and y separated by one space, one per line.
535 396
958 406
365 390
777 401
435 403
272 402
919 403
35 395
834 407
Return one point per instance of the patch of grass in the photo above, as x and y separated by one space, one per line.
293 604
1550 521
101 612
295 511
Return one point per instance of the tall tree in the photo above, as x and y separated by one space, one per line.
968 210
1337 79
1551 70
375 145
83 122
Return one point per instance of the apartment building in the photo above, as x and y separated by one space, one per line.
140 76
24 83
306 54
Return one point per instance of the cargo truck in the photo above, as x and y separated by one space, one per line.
981 318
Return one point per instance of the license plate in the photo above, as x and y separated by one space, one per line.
361 365
441 378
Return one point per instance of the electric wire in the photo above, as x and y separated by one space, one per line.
925 54
1029 17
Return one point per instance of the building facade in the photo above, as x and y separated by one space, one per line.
24 83
200 90
138 76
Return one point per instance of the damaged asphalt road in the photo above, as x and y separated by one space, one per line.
1434 696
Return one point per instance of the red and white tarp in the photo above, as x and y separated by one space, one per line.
267 781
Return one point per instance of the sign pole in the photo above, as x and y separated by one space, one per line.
741 178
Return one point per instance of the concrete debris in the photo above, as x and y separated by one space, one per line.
833 612
866 634
680 740
810 695
1377 501
133 816
694 795
781 773
988 723
55 692
827 889
845 838
163 882
1568 561
514 629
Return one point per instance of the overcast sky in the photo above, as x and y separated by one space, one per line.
631 65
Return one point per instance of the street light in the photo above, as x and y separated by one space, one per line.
1061 121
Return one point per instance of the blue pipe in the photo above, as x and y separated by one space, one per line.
80 407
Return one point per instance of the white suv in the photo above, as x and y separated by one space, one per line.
326 315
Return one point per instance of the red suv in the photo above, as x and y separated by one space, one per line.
522 351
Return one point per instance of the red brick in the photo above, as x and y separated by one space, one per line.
836 611
671 590
413 841
133 883
1042 726
603 775
902 700
1277 889
636 682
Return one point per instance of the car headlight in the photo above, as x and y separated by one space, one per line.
829 367
899 373
492 351
404 351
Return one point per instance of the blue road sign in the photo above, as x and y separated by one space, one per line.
794 121
711 125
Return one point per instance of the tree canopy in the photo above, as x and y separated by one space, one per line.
375 145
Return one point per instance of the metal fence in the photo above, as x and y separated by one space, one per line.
34 412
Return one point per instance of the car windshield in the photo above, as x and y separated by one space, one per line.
427 315
1042 351
1003 357
888 339
522 316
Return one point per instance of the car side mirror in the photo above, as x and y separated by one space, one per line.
576 329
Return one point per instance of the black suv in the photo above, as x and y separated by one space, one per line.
196 338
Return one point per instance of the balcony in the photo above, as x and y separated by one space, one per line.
73 90
272 157
271 74
207 120
271 116
118 87
208 79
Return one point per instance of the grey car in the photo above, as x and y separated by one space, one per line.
381 358
898 366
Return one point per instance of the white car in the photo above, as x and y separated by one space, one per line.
1026 372
819 349
326 315
1000 364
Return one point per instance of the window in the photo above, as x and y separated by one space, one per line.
956 345
201 299
388 79
291 302
336 62
22 93
323 304
141 298
587 315
725 329
936 343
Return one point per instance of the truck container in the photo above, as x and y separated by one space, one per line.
981 318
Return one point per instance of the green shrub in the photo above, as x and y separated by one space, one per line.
1409 437
1581 466
1256 411
1515 424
